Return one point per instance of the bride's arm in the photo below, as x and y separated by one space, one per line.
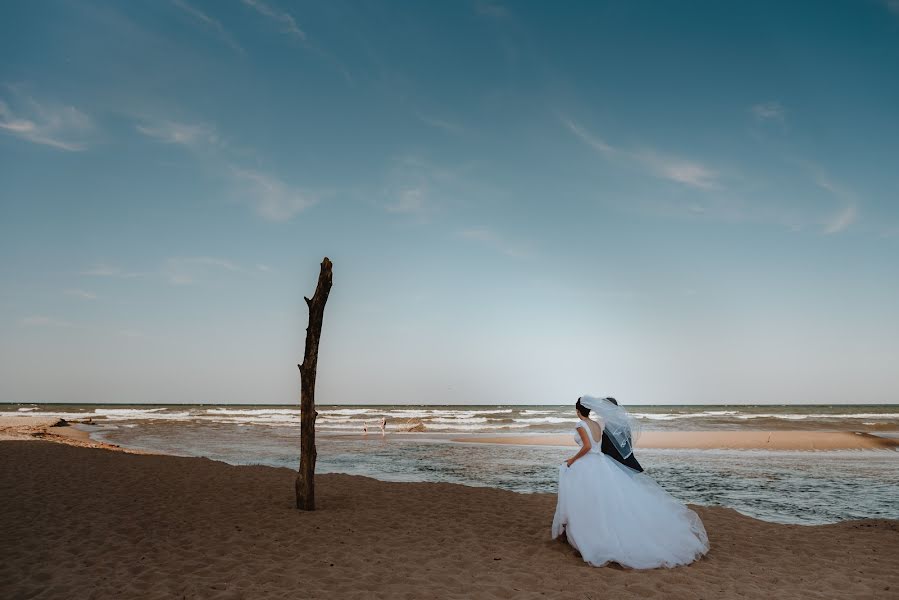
585 446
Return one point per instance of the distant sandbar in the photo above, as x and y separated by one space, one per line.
728 440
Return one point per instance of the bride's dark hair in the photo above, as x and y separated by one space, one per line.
583 410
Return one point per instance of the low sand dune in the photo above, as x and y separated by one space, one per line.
88 523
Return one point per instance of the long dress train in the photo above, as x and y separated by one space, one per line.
611 513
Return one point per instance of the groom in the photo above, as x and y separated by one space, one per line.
609 448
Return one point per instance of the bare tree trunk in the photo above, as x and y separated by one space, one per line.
305 484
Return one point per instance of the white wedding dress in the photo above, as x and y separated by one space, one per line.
611 513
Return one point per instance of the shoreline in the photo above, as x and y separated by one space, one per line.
60 431
136 526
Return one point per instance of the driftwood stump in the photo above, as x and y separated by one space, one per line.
305 484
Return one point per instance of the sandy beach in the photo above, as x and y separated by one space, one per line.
90 523
52 429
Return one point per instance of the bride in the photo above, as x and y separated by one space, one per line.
611 513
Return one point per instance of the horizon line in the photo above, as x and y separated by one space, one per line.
424 404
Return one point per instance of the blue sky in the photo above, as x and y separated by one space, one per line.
524 202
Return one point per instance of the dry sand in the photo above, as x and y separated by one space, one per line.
87 523
734 440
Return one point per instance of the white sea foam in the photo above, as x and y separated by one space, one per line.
130 414
440 412
458 419
656 416
257 419
798 417
356 426
547 420
253 411
475 427
347 411
448 418
48 414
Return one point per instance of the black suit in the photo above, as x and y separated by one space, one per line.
609 448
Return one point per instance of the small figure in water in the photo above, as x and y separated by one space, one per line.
383 425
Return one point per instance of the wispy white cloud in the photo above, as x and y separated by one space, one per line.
841 220
590 139
44 321
212 262
270 197
408 190
491 238
438 123
892 6
288 25
186 271
679 170
419 188
211 23
54 125
768 111
286 20
824 181
192 135
81 294
672 168
409 201
104 270
175 270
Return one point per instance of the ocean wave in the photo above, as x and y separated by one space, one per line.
347 411
245 419
474 427
253 411
438 412
800 417
547 420
356 426
457 420
656 416
675 416
69 416
472 418
126 414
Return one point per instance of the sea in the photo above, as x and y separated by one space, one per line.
799 487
